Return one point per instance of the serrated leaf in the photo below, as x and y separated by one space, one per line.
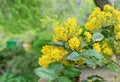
46 73
73 56
97 37
64 79
70 71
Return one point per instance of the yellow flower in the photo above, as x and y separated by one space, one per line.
95 12
78 32
51 54
97 47
71 22
74 43
117 28
60 34
80 62
117 36
99 19
68 30
108 8
104 45
65 62
71 25
88 36
93 24
107 51
45 60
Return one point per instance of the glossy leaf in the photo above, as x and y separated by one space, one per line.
92 57
97 37
74 56
71 71
56 66
46 73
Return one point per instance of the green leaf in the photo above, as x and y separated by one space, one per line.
74 56
70 71
46 73
56 66
91 53
64 79
97 37
92 57
91 62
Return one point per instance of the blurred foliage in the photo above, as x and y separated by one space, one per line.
68 8
19 15
19 61
12 60
10 77
117 4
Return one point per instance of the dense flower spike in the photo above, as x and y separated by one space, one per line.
51 54
60 34
88 36
69 30
74 43
97 47
106 50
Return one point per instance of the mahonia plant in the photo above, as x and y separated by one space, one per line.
105 23
74 46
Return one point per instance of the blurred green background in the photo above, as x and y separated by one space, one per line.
27 25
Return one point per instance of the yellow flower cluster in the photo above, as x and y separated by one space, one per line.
74 43
88 36
117 36
51 54
69 33
71 23
94 22
117 28
104 48
97 47
100 19
69 30
107 51
60 34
